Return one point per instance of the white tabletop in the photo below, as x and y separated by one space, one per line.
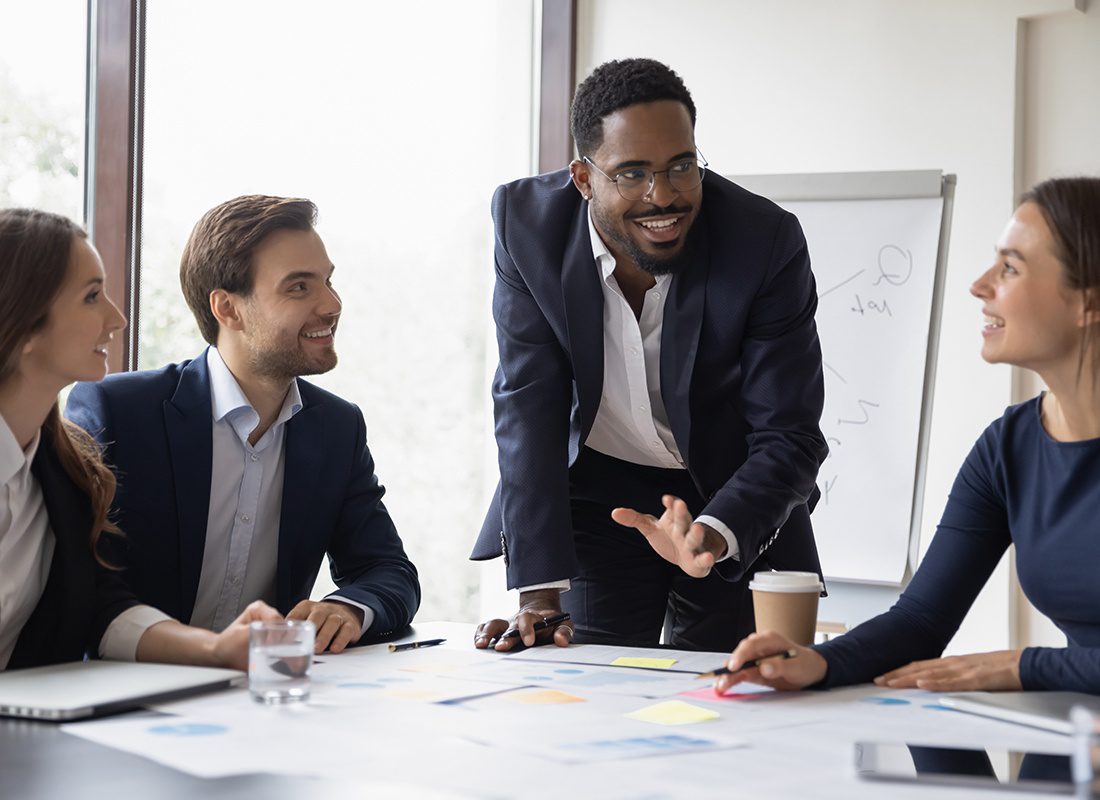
375 722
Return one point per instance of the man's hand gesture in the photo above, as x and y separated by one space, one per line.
691 546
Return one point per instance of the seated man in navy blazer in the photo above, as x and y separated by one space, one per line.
235 477
659 371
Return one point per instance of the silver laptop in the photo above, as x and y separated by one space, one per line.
92 688
1046 710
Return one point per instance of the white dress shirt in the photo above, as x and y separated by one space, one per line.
632 423
26 541
26 552
246 493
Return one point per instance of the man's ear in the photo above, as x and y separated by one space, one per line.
225 307
582 178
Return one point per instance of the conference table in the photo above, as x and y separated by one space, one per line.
452 722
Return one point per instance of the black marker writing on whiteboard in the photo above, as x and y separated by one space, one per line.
895 265
863 406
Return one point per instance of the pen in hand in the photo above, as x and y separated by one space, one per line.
541 625
754 662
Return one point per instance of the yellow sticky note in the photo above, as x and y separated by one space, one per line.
674 712
545 697
651 663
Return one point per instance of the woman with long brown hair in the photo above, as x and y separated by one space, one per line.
59 596
1031 480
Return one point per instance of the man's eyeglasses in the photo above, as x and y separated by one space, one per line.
637 182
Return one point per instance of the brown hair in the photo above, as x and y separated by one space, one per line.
1071 208
218 254
35 253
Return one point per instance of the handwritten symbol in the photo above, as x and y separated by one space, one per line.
846 280
829 367
883 308
828 488
902 265
863 406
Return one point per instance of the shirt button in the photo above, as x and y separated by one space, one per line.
656 295
254 457
245 518
642 408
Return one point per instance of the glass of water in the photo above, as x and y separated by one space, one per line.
279 657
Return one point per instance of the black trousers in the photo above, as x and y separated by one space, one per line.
625 592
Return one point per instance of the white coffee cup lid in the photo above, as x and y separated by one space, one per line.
778 581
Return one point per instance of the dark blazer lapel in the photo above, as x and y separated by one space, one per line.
303 470
188 422
683 320
57 628
584 317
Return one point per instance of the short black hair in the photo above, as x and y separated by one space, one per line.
618 84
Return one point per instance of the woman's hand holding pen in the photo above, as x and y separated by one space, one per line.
780 673
535 606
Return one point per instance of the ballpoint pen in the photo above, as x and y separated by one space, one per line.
541 625
785 654
397 648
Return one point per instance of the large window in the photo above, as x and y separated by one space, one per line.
398 120
43 52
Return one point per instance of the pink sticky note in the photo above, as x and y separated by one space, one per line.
707 693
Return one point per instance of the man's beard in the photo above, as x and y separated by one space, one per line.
656 265
286 363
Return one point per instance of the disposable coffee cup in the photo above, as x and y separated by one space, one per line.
786 602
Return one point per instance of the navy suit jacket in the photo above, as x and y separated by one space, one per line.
156 429
81 597
740 374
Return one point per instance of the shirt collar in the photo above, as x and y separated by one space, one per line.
604 259
228 401
13 458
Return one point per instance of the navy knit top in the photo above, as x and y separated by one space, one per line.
1018 486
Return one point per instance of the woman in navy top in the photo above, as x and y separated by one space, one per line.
1032 479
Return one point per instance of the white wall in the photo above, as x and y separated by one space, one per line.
856 85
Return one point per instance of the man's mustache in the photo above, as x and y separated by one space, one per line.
657 211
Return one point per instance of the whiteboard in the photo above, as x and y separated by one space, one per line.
877 253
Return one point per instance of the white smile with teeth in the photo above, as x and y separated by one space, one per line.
657 224
318 334
994 322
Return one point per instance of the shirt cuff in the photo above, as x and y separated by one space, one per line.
368 612
120 640
562 584
732 549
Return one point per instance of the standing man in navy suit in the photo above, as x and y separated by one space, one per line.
659 388
236 477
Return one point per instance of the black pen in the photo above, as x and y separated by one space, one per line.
541 625
397 648
754 662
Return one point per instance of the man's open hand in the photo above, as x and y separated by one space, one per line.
691 546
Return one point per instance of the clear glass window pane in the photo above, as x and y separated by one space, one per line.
43 79
398 120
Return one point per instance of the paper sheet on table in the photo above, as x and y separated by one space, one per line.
584 679
685 660
298 740
597 730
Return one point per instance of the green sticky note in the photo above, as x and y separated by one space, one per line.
651 663
674 712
